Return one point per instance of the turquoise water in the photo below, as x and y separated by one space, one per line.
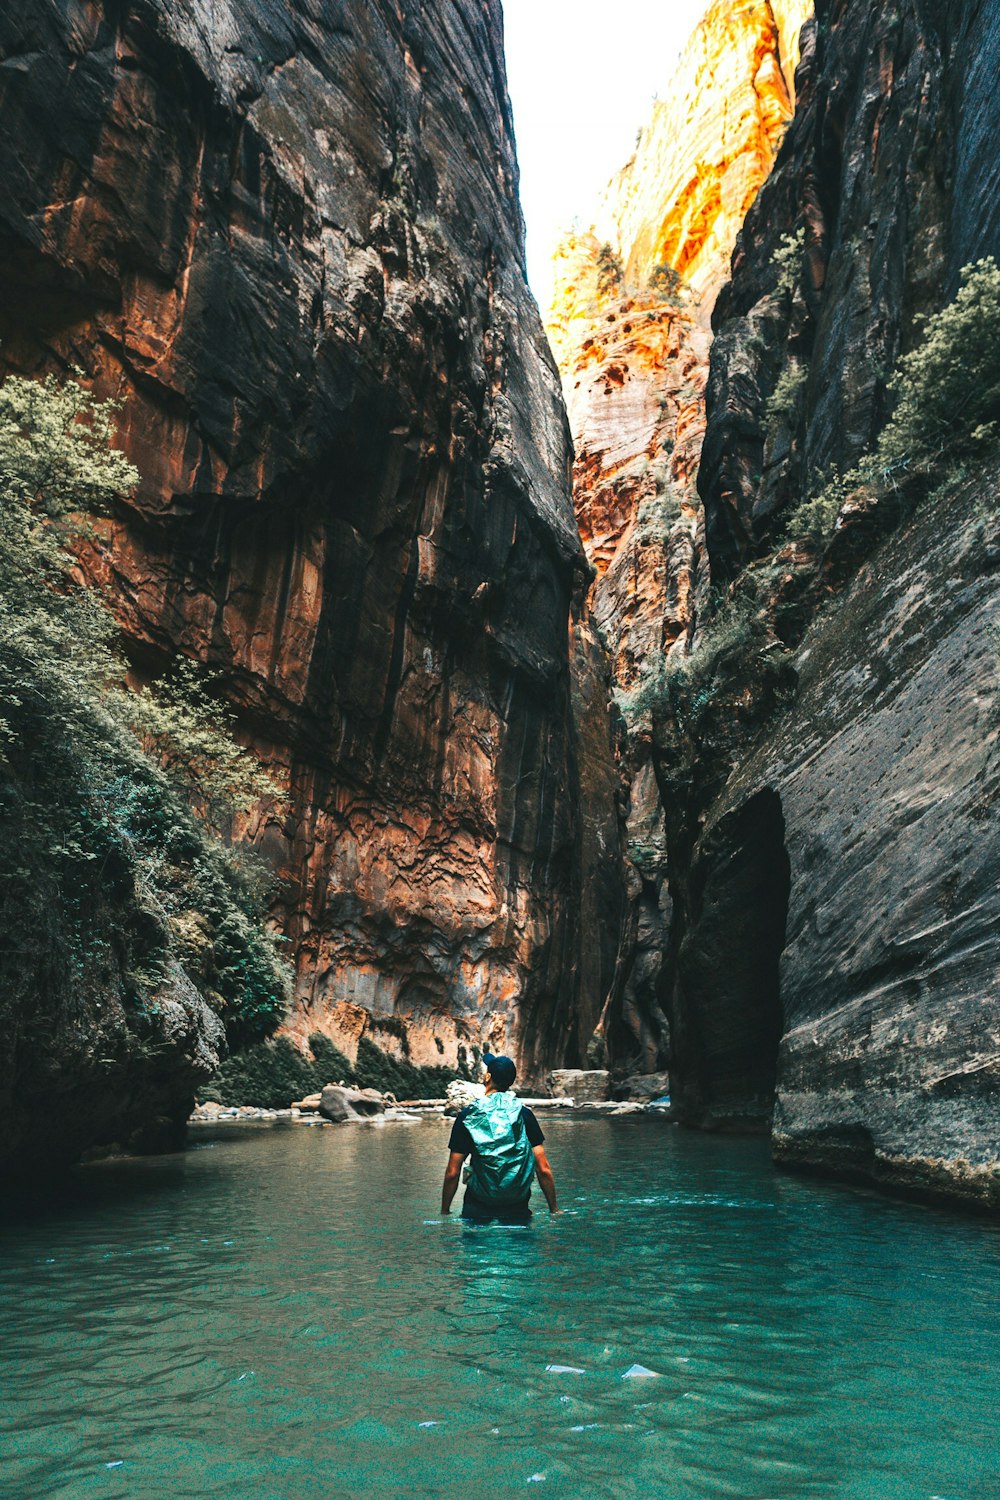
281 1313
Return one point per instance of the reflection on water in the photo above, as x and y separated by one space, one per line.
279 1312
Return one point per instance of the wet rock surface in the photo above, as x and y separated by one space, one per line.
289 240
582 1085
887 775
85 1062
645 1087
341 1105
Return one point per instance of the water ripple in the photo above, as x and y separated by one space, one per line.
280 1313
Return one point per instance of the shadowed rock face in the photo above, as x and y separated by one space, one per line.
889 170
287 236
725 1051
887 774
884 767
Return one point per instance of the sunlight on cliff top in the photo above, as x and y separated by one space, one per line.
611 125
582 79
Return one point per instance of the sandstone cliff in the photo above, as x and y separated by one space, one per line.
628 325
710 143
288 239
833 857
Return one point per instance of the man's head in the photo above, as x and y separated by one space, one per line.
500 1071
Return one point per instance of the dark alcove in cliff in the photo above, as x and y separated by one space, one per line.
728 1020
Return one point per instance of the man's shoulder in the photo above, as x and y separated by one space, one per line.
463 1113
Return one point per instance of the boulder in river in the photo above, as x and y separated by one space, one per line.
583 1086
461 1092
309 1101
644 1086
341 1104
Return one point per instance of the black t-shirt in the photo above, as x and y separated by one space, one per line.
461 1140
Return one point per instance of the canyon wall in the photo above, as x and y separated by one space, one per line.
835 878
890 177
288 239
632 298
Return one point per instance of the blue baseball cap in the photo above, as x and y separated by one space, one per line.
501 1069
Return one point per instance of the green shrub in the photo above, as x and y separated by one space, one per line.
948 408
189 733
55 451
734 632
787 262
610 276
638 704
815 520
275 1074
93 832
783 404
375 1069
271 1075
658 513
667 284
948 388
329 1063
682 687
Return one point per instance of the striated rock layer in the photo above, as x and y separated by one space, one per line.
710 143
288 239
631 302
840 890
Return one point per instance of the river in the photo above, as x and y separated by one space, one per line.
280 1312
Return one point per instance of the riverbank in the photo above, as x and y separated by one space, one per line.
416 1109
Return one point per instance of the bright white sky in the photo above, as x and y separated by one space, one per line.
582 76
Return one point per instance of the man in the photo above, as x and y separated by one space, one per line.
505 1142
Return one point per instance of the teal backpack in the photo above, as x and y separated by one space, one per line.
502 1164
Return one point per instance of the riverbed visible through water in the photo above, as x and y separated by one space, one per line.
281 1314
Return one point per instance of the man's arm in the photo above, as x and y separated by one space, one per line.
452 1177
546 1181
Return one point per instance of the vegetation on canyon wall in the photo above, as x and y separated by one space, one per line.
275 1073
740 667
616 292
948 411
109 881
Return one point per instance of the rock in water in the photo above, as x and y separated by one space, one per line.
643 1086
460 1093
582 1086
310 1102
342 1105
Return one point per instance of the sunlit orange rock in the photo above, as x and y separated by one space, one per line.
629 326
630 345
708 146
